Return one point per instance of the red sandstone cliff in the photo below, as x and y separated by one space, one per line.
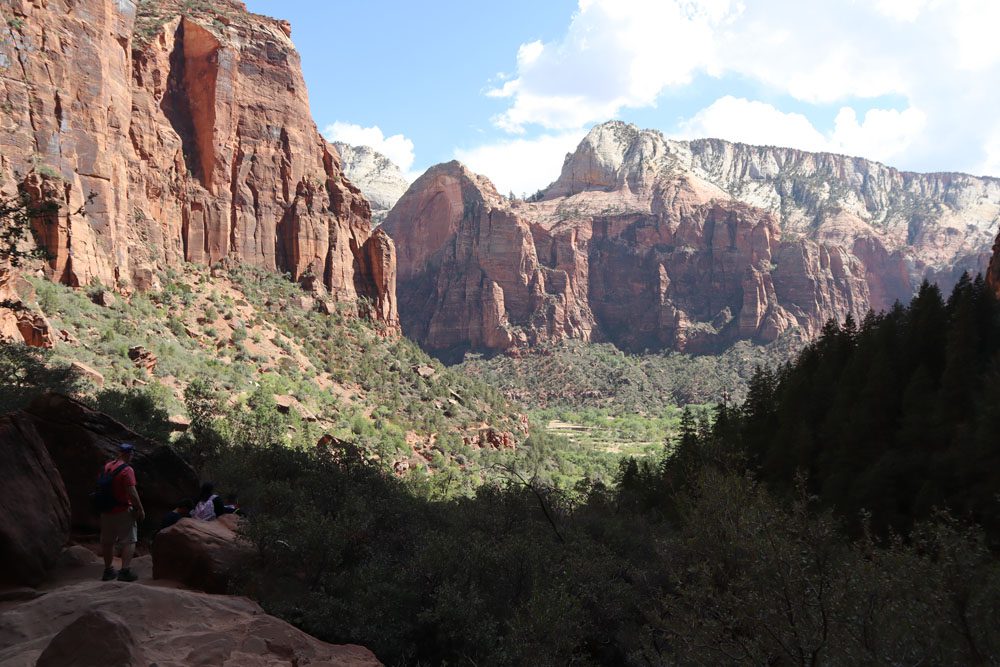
192 129
654 244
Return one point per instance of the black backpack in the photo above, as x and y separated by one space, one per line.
103 497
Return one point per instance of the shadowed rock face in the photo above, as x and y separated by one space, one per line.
194 135
80 441
652 244
34 507
993 273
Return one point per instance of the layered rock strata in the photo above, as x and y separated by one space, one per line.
657 244
189 124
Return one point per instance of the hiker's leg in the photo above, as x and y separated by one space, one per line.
107 541
127 551
129 538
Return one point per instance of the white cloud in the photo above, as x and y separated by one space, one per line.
616 53
521 166
901 10
883 134
933 59
397 148
750 122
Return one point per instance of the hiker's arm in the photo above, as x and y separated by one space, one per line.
133 494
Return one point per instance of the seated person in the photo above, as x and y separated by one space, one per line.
209 505
182 511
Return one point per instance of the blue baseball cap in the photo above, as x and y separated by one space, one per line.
126 447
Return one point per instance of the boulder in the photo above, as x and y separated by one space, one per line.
200 554
80 441
303 302
87 373
68 338
95 639
104 298
34 507
143 358
163 626
35 329
179 423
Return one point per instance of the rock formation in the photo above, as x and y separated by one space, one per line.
658 244
201 554
34 507
92 624
189 123
80 441
380 180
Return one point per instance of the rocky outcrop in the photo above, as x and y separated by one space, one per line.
469 272
96 623
189 124
80 441
377 263
200 554
143 358
380 180
96 638
656 244
34 507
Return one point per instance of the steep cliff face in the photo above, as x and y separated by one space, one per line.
380 180
190 124
651 243
469 275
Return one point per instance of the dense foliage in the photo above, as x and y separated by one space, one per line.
575 375
684 561
895 417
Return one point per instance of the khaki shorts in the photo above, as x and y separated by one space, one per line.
118 528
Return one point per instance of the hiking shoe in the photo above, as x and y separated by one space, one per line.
127 575
109 574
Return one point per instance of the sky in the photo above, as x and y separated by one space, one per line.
509 88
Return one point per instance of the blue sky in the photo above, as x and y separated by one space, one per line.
509 88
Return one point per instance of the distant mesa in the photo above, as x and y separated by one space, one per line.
650 243
380 180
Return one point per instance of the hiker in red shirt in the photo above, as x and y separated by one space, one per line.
118 524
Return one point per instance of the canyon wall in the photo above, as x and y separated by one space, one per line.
178 132
657 244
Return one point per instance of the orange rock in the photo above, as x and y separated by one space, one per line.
35 329
656 244
196 139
